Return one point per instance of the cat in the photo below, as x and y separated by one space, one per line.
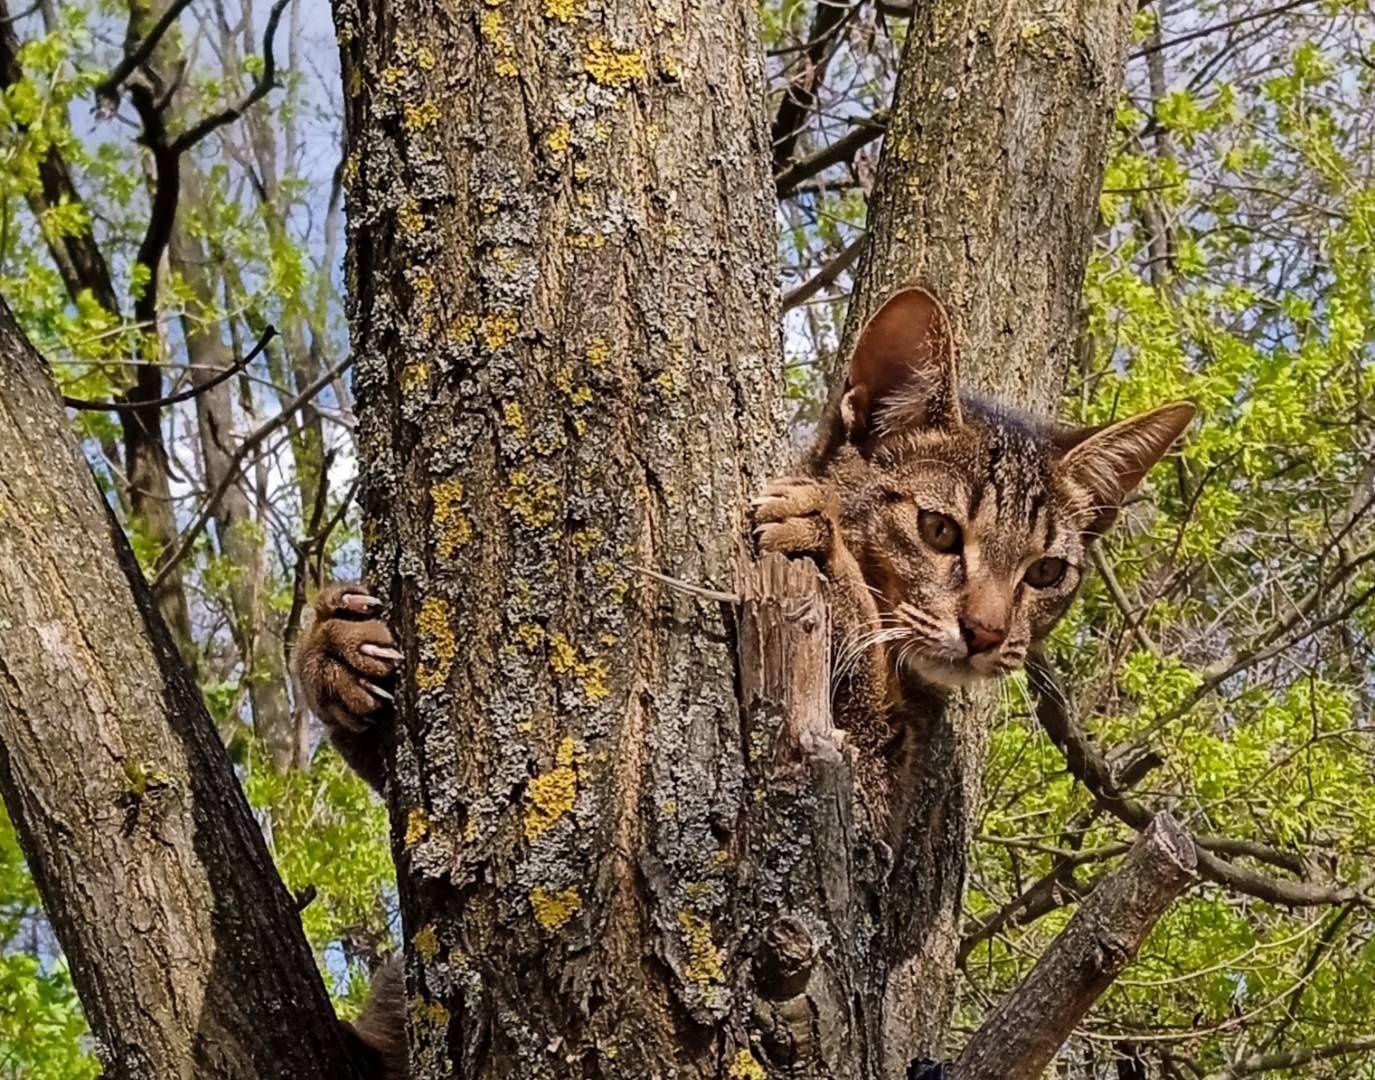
953 530
343 665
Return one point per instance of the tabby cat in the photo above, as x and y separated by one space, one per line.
953 531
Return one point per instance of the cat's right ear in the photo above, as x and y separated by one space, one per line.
902 373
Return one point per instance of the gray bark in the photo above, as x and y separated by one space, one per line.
987 191
184 945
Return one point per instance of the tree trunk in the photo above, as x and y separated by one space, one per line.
184 945
987 189
564 312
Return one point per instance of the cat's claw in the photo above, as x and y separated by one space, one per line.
796 517
346 657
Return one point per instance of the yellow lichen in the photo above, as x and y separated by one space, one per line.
436 634
533 502
551 909
409 219
497 330
582 173
514 416
392 76
531 635
451 523
414 377
584 540
704 960
498 35
582 395
611 66
430 1014
563 10
424 58
586 240
567 751
549 796
559 139
417 825
745 1067
419 116
426 943
463 328
598 352
563 658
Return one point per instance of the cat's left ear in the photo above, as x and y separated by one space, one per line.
1110 461
902 373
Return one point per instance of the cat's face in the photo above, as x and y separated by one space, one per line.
971 522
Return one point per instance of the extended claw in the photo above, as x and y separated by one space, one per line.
373 688
381 652
362 603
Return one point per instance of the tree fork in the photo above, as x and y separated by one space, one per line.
185 947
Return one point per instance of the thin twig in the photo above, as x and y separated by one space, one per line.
687 587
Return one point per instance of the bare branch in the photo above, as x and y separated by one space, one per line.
1217 28
1027 1028
1092 769
107 90
188 538
1289 1059
825 276
843 149
264 84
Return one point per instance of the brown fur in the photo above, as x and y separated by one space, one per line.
345 664
913 621
378 1036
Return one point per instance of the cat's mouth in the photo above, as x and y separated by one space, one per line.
952 674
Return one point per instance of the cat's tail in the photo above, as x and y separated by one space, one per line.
378 1036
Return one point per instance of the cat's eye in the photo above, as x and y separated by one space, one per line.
939 531
1045 573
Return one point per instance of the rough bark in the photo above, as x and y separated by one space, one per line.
565 322
987 190
185 947
1021 1036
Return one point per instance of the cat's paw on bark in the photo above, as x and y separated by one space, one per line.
347 660
797 516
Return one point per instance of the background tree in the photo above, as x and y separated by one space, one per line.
1219 668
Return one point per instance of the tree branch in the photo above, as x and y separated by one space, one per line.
843 149
1217 28
184 945
188 537
1289 1059
1027 1028
265 82
1092 769
185 395
107 90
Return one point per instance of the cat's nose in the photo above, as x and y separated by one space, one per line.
979 637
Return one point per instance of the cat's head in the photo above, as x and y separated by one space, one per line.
970 519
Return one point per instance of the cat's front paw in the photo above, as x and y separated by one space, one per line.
347 659
797 516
